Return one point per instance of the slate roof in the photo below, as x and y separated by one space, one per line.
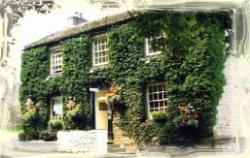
70 32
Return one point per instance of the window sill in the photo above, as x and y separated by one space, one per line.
148 58
98 67
54 76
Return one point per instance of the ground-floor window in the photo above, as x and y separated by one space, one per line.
156 98
56 111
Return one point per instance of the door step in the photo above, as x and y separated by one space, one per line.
116 149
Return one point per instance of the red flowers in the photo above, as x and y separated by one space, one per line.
188 115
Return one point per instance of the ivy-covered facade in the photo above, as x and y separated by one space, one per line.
160 74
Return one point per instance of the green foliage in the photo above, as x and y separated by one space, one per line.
55 125
22 136
16 128
191 66
47 135
37 82
159 117
32 124
76 119
168 134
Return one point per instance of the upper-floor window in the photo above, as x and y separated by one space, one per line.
156 98
154 45
100 51
56 61
56 109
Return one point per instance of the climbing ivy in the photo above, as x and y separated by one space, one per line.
191 66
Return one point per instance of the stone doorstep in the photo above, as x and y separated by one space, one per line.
130 148
124 142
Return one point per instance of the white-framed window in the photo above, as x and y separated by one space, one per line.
156 98
100 50
154 45
56 108
56 61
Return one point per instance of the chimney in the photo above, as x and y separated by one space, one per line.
76 19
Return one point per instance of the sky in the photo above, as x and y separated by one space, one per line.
34 26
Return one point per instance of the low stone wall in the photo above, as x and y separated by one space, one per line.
82 141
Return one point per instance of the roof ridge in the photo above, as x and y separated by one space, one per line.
69 32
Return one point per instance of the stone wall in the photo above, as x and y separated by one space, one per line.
120 137
232 110
94 141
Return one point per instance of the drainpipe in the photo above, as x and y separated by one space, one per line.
92 109
92 105
110 123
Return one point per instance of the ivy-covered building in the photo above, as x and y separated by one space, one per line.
152 77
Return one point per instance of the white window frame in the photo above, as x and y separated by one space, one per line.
93 52
147 45
148 98
54 51
52 107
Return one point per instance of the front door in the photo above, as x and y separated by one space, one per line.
103 120
102 116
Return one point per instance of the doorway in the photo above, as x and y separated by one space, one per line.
103 117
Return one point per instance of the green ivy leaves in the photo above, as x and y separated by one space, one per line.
191 65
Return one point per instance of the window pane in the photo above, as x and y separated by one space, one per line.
56 62
160 96
150 97
100 54
57 108
157 97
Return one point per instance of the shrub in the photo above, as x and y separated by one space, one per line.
168 134
76 119
31 124
47 135
55 125
159 117
22 136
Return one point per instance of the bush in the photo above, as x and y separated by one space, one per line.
55 125
22 136
168 134
76 119
47 135
159 117
31 124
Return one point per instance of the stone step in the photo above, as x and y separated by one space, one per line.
130 148
115 149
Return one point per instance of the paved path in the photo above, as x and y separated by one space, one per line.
12 148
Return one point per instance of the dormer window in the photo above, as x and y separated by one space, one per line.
56 61
100 51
